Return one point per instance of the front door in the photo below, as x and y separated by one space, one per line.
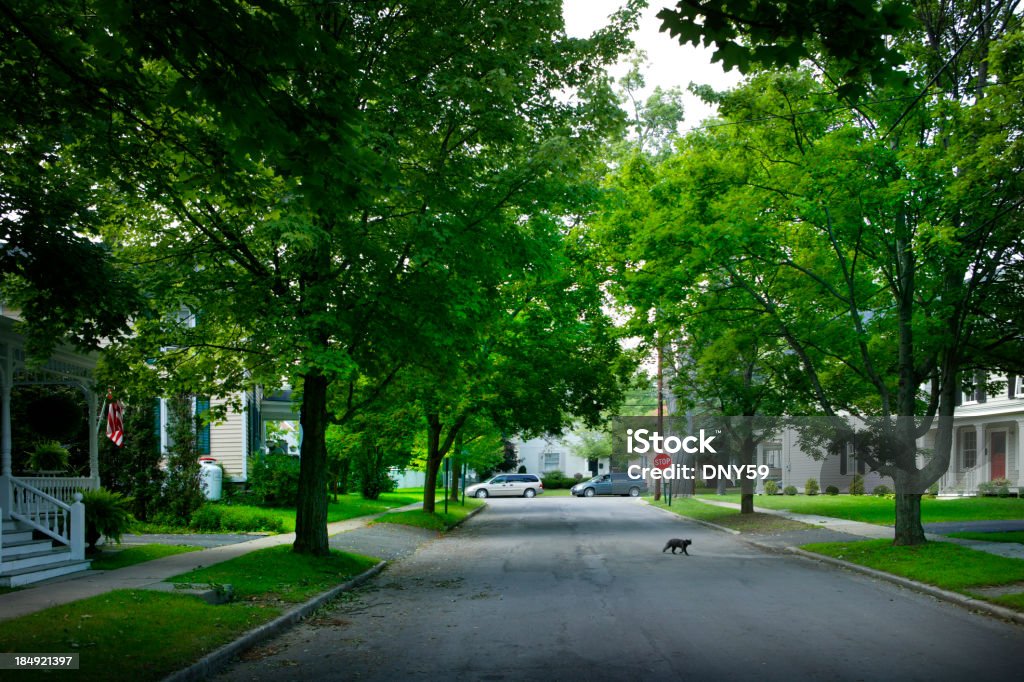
998 456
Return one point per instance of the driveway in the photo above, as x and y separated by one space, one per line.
569 588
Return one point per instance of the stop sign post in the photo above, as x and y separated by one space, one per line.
663 461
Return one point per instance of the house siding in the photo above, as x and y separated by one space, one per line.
227 443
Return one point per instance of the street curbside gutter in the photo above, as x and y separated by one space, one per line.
215 660
937 592
468 516
681 517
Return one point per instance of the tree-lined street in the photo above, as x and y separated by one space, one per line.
566 588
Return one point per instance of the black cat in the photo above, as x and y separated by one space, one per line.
676 543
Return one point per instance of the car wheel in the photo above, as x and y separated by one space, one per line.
589 492
634 492
529 492
481 494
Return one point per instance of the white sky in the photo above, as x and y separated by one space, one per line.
671 64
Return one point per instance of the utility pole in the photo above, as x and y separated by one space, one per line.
661 415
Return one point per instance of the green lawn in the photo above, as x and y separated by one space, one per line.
730 518
942 564
253 518
438 521
109 559
276 573
882 511
137 635
1008 536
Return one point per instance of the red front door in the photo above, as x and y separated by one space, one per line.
998 457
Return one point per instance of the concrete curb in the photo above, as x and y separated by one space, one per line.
468 516
215 660
952 597
715 526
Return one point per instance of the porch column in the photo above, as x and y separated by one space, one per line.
5 423
94 442
5 435
1019 461
979 445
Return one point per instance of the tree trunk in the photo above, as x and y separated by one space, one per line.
456 466
433 462
747 455
311 508
746 496
909 530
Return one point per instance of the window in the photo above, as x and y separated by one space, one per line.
969 448
203 426
977 392
1015 386
552 461
772 455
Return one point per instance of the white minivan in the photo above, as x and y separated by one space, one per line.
508 485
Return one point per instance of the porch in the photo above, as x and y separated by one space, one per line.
42 518
983 451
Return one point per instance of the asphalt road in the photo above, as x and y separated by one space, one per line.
572 588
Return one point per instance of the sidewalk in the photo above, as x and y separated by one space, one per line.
876 532
91 583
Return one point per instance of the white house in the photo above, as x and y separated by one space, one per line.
556 453
988 441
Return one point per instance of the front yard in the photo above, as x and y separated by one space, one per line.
996 579
143 635
246 518
880 510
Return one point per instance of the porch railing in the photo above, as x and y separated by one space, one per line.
962 482
63 522
61 487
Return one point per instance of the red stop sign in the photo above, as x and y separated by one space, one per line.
662 461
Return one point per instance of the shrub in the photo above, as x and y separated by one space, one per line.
881 490
857 485
811 486
831 490
275 480
997 486
553 480
221 517
106 515
789 490
521 469
182 493
49 455
771 488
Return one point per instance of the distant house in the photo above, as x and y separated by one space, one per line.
555 453
988 442
234 440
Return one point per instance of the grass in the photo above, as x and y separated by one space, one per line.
754 524
1007 536
880 510
137 635
131 634
942 564
278 574
244 517
110 560
438 521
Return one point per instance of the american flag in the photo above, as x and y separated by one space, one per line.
115 421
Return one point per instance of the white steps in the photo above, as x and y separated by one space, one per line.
25 559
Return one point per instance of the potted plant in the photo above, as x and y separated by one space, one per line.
106 515
49 457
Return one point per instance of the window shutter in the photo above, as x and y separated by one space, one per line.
1011 386
842 463
203 430
861 468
